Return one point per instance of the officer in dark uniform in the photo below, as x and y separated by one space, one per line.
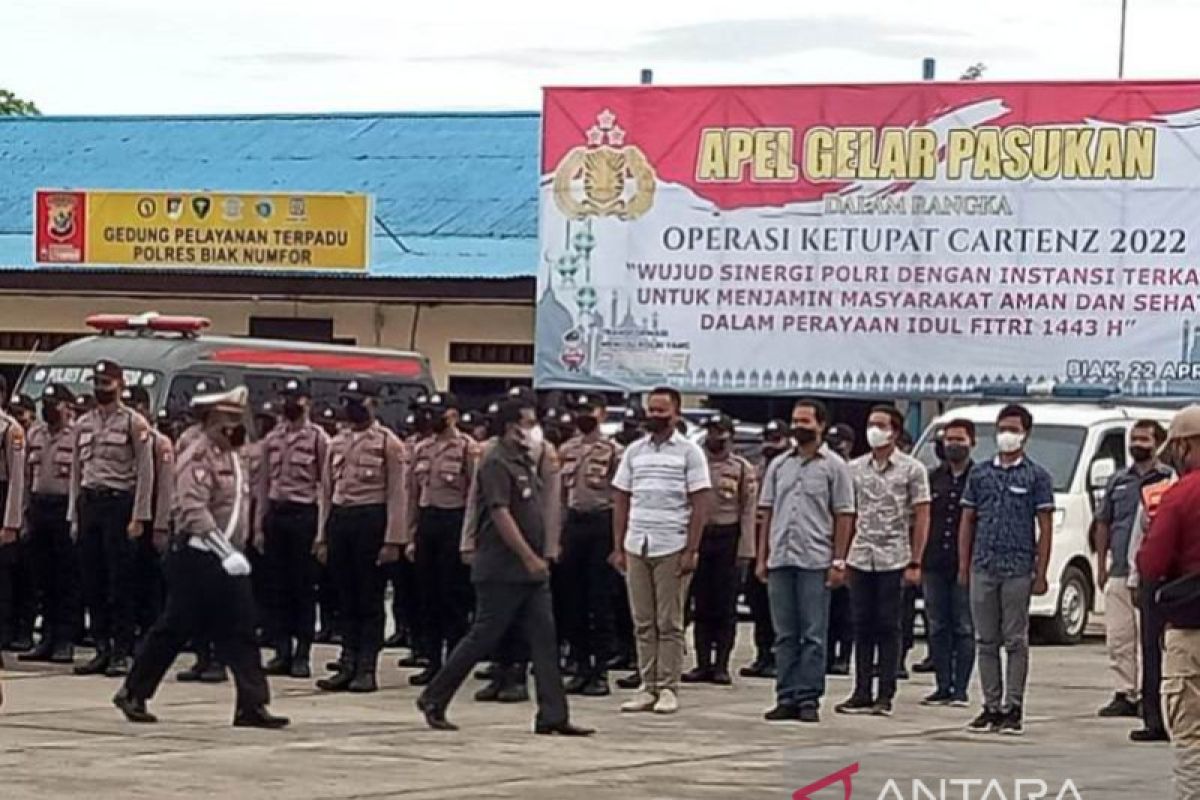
511 576
48 483
12 494
111 501
775 443
210 596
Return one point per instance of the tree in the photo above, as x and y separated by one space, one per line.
973 72
13 106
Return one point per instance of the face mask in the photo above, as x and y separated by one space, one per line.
1141 454
536 436
587 424
235 434
51 413
878 437
804 436
357 413
715 444
956 453
105 396
1009 441
293 410
440 425
656 424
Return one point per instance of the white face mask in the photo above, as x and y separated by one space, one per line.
1008 442
534 436
878 437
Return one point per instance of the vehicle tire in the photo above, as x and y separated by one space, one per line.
1073 610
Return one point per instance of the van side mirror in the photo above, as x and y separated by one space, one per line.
1101 471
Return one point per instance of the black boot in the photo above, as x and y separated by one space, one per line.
98 664
281 664
757 667
214 672
41 653
340 681
64 653
364 682
515 688
720 673
425 676
576 684
301 660
118 666
597 686
133 708
258 717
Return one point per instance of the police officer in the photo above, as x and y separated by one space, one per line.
402 576
775 443
290 508
12 492
23 608
193 430
210 595
48 482
442 468
153 541
327 420
589 461
510 572
365 491
24 410
728 538
112 489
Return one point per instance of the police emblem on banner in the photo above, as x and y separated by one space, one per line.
62 216
605 177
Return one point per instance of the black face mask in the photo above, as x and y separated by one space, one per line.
716 444
1141 454
51 413
105 396
440 424
804 436
357 413
587 425
656 424
955 453
236 434
292 410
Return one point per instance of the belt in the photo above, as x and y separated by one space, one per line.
732 527
591 512
291 505
103 492
41 498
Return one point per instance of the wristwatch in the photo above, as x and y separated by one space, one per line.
839 563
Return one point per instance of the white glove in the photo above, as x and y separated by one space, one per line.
236 565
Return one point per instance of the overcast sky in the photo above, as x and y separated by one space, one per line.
173 56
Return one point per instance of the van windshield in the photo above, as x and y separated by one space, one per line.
1055 447
79 379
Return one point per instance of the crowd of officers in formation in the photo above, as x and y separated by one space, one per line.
517 538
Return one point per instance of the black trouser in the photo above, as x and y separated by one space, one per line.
24 582
109 557
55 565
586 578
714 592
444 581
1153 629
206 603
908 620
8 562
356 535
289 531
760 613
499 607
841 627
875 597
329 606
150 588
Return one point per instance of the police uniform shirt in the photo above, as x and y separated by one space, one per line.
164 479
588 465
49 455
508 479
369 468
189 436
113 451
12 471
205 490
293 458
442 469
735 497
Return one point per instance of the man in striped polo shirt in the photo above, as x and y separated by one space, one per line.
660 508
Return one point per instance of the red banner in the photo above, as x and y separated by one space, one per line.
61 219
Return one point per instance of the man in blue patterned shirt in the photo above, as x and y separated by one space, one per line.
1004 550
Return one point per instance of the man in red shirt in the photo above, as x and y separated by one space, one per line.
1172 550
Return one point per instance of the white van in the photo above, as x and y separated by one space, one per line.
1082 446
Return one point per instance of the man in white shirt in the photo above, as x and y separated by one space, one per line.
660 508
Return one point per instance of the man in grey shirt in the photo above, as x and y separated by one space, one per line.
807 500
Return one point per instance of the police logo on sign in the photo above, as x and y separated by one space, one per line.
174 207
264 208
201 205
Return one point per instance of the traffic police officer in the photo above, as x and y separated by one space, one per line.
192 431
364 487
12 491
210 596
290 508
443 466
48 482
112 487
589 462
728 537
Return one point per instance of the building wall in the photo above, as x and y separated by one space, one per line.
427 327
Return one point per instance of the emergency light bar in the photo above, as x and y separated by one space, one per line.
1077 391
151 321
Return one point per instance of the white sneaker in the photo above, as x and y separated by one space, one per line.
640 702
668 702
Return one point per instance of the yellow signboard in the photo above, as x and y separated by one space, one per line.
232 230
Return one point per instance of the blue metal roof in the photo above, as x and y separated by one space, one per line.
459 190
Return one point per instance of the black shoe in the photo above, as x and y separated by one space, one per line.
782 713
855 705
337 682
259 717
41 653
633 681
489 693
396 640
413 662
22 644
64 653
924 667
561 729
809 713
191 674
882 708
424 677
576 685
839 668
363 683
755 669
214 673
902 673
938 699
597 687
278 667
1149 735
300 668
334 666
513 693
721 677
118 667
489 673
1121 706
1012 723
697 675
134 710
435 717
97 666
988 721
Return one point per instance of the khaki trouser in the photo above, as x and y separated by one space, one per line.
1181 696
1121 636
657 593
